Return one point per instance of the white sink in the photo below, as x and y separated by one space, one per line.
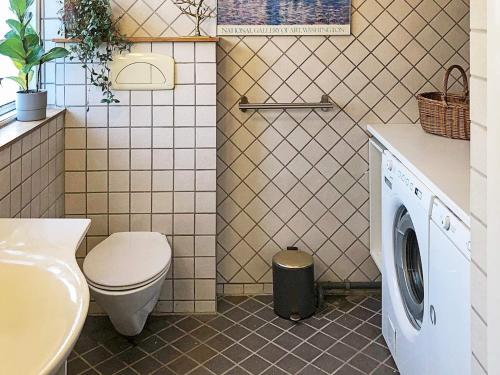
44 297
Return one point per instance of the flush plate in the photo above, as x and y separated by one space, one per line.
142 71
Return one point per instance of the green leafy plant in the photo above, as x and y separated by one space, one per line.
96 37
24 46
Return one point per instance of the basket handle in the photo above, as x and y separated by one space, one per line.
465 83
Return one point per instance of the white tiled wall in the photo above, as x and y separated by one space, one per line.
478 186
32 173
147 163
299 177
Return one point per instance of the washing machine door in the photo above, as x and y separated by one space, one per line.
408 265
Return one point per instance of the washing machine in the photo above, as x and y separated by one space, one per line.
406 208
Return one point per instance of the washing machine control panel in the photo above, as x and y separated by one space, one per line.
397 176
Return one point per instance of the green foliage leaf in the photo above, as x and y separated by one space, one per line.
16 26
12 48
54 53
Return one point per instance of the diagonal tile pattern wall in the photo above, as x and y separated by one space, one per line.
299 177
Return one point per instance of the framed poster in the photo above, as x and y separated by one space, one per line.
284 17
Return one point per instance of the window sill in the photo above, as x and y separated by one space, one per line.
15 130
7 118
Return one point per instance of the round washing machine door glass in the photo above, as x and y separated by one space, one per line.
409 267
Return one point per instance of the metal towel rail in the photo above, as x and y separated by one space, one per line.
325 104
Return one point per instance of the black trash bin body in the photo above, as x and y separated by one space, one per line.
293 285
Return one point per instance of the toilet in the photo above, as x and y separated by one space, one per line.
125 273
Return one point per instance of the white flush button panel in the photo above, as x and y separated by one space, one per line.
142 71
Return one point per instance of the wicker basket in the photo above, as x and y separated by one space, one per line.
446 114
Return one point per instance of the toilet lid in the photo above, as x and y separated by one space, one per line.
127 259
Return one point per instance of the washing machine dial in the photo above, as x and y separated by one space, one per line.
390 164
445 223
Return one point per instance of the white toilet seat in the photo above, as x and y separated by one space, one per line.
127 261
128 288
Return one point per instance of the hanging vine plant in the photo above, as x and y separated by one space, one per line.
96 38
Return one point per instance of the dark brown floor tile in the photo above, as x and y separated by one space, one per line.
111 366
201 371
327 363
311 370
253 342
205 318
385 370
390 362
273 370
302 330
376 320
364 363
117 344
322 341
291 364
287 341
96 355
283 323
204 333
182 365
202 353
152 344
269 331
156 323
254 364
132 355
127 371
362 313
271 352
252 323
355 340
372 304
266 314
236 314
146 365
167 354
306 351
220 342
348 370
237 370
171 334
342 351
237 332
265 299
218 364
316 323
379 352
164 371
235 300
369 331
348 321
76 366
186 343
251 305
84 344
236 353
220 323
223 305
188 324
335 330
90 371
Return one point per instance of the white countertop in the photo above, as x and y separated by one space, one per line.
442 164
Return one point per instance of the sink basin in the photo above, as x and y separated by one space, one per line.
44 296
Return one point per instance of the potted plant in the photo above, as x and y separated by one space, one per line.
25 48
95 38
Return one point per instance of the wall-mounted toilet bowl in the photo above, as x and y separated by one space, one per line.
125 273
